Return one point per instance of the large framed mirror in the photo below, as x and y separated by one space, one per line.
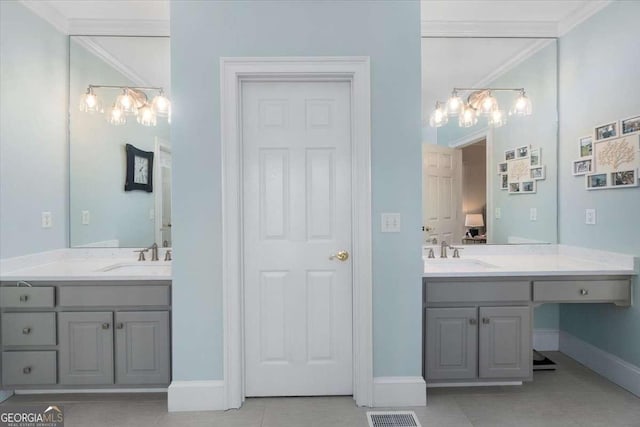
491 140
119 97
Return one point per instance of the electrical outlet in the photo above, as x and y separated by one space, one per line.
533 214
390 222
498 214
590 216
47 220
86 217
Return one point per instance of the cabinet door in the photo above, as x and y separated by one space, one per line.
505 342
142 347
452 343
86 348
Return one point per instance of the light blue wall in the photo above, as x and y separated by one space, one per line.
599 63
201 33
33 132
98 161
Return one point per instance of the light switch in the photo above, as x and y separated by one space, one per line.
533 214
86 217
47 220
390 222
590 216
498 213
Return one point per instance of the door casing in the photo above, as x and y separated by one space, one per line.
356 71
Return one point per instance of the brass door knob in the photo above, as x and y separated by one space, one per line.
340 256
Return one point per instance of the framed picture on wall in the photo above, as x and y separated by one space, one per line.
522 152
606 131
509 155
630 125
582 166
534 157
586 146
624 178
502 167
504 181
597 181
139 169
528 187
537 173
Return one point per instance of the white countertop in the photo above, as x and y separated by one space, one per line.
95 264
527 260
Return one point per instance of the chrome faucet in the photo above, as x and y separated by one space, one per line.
443 249
154 252
167 255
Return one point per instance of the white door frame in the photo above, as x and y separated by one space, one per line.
233 71
486 134
160 145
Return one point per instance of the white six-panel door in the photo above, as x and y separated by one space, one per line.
296 140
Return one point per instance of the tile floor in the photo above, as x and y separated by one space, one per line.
570 397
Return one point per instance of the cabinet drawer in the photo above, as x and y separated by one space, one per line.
102 296
22 297
29 329
582 291
28 367
513 291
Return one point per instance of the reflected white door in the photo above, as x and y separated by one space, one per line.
441 194
296 213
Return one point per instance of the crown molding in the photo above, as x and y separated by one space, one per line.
49 13
119 27
522 56
533 29
111 60
579 16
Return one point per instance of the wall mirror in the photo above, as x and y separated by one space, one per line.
119 97
490 140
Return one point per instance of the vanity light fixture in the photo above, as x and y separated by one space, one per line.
480 102
132 101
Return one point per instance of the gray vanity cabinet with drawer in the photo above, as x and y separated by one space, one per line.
72 335
452 343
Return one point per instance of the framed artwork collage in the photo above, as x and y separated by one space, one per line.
521 170
610 157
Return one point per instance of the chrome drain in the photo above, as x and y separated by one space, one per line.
393 419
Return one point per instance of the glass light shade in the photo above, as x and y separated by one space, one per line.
146 116
126 103
117 116
467 118
455 105
438 117
161 105
90 103
497 118
522 105
488 105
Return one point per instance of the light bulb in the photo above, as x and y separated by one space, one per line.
522 105
454 105
146 116
90 103
117 116
126 103
161 105
489 105
467 118
497 118
438 117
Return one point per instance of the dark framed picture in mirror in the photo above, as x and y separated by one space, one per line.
139 170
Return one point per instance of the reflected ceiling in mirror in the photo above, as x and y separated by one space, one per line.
504 171
119 197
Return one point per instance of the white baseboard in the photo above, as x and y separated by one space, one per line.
399 391
5 394
606 364
474 384
90 390
196 396
546 339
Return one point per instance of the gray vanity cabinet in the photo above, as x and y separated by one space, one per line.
142 347
505 342
452 343
86 348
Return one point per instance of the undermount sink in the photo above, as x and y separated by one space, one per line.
457 264
149 267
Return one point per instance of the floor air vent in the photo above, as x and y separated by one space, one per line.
393 419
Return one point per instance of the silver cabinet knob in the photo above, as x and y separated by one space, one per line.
120 325
486 320
26 370
105 326
24 298
26 331
584 292
473 321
